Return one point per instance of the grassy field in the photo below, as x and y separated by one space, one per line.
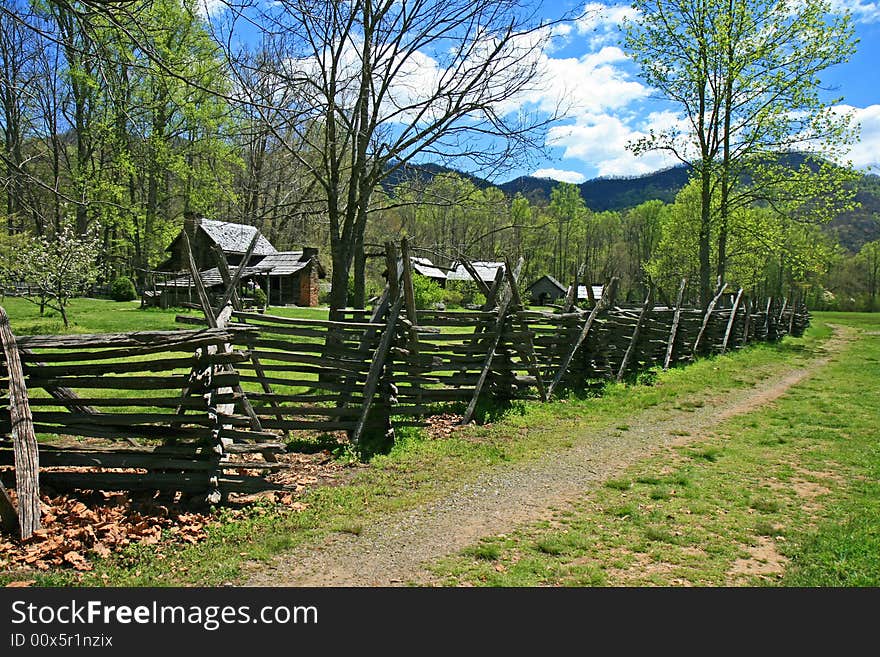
784 496
794 484
106 316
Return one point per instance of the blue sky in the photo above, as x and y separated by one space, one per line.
612 105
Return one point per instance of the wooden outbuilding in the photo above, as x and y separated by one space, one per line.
286 277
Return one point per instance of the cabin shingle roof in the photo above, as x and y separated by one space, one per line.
235 238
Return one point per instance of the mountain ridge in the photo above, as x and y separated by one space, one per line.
852 229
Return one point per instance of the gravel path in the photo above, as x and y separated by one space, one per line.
394 551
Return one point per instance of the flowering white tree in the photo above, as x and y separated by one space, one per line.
60 269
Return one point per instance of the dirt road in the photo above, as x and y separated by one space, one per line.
395 550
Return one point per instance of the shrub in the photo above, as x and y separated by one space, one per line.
259 297
122 289
428 292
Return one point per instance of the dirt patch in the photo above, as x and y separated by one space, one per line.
764 561
397 549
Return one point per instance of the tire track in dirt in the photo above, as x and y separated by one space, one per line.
395 550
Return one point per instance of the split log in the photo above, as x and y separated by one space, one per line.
675 320
731 320
27 458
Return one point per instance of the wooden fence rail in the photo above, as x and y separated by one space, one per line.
173 410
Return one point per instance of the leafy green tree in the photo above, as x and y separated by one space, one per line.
569 211
746 76
869 261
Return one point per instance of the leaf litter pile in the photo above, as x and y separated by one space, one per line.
81 526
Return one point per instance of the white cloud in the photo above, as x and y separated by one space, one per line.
210 8
862 12
866 153
592 83
560 175
601 23
601 139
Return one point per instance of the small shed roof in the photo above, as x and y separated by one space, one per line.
283 263
551 280
484 268
427 268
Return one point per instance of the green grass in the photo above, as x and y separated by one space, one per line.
788 495
699 530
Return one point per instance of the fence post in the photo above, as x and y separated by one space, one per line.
529 352
674 330
604 302
635 335
706 317
747 323
731 320
24 441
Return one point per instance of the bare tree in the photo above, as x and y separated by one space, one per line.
378 84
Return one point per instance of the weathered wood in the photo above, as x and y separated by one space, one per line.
607 299
409 296
376 367
492 345
65 394
731 320
158 402
157 365
223 268
135 343
127 382
233 283
707 315
635 334
673 332
484 288
259 319
198 283
747 323
529 352
27 458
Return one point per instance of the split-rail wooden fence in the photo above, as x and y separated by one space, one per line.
175 410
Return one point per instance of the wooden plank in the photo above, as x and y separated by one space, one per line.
258 319
158 402
198 283
731 320
27 458
223 268
65 394
635 334
232 284
127 382
571 295
157 365
147 431
607 299
673 332
151 341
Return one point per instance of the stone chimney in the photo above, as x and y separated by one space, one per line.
309 252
